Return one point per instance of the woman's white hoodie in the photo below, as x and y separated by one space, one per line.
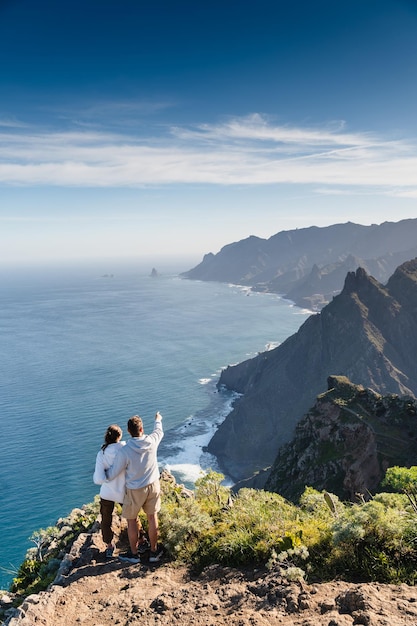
113 490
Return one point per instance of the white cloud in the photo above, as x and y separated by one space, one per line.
403 193
242 151
10 122
257 127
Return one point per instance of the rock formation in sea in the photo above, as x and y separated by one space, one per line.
308 265
368 333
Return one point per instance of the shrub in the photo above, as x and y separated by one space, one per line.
181 525
403 479
374 541
286 563
247 532
211 494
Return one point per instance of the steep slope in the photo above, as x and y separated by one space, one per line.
345 443
308 265
365 334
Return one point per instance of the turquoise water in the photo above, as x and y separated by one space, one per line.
81 351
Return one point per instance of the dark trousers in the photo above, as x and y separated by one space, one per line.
106 510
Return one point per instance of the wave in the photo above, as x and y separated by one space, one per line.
205 381
182 450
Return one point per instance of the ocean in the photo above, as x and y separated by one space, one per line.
81 349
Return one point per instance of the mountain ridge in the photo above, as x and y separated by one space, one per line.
308 265
365 334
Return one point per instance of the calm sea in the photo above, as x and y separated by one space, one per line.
81 350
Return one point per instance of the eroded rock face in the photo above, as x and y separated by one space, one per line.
345 443
368 333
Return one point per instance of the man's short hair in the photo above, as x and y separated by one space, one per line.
135 426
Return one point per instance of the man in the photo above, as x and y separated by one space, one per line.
138 459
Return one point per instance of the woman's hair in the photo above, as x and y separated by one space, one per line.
113 434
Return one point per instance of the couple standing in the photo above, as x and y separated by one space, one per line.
129 473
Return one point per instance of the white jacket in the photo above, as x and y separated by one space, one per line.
113 490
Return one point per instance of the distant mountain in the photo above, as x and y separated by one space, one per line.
346 442
368 333
308 265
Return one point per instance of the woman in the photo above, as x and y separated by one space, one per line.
111 491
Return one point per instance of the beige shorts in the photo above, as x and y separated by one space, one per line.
147 498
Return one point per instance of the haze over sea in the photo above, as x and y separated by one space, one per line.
81 350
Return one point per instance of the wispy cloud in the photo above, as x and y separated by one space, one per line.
10 122
251 150
109 113
259 128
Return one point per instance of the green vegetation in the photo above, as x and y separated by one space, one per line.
405 480
42 562
320 538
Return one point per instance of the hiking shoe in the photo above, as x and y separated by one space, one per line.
129 557
156 555
144 546
108 554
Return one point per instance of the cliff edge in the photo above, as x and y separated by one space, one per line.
104 594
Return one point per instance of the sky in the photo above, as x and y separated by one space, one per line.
160 129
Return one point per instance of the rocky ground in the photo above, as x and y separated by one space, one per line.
92 592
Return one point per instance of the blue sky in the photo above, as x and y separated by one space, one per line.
155 129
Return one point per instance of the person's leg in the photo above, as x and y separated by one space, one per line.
106 510
132 504
152 506
132 533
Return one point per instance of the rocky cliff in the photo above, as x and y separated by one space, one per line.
345 443
308 265
368 333
94 593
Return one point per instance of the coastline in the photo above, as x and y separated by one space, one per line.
183 451
189 460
